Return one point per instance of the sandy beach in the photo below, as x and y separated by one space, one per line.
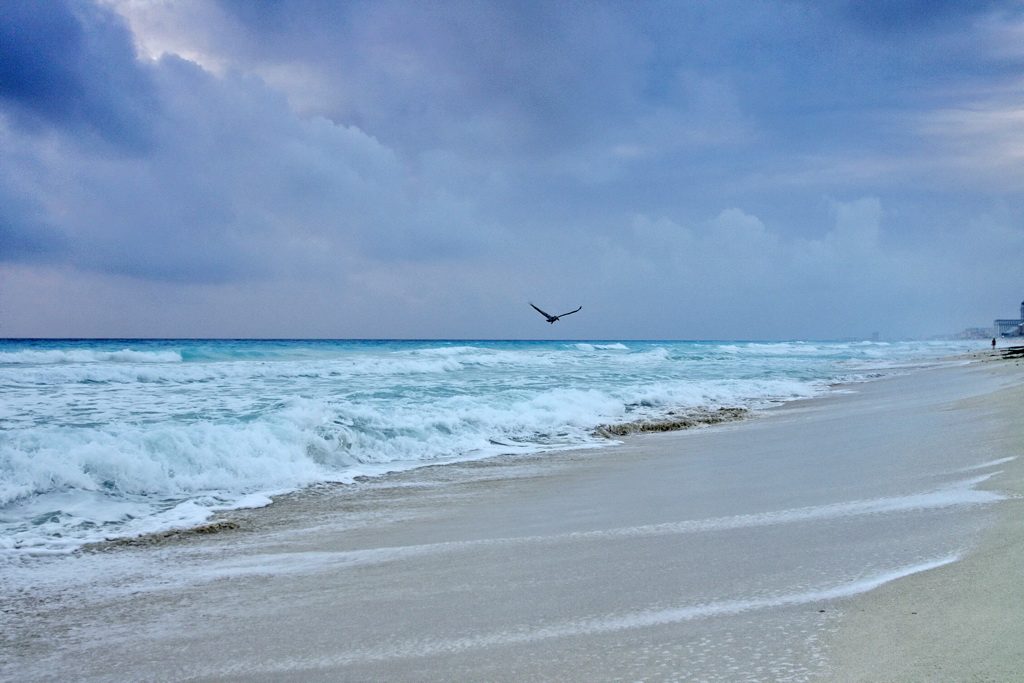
872 535
961 622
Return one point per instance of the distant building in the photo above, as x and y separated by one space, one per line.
1010 327
974 333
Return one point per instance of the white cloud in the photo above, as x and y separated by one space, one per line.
984 144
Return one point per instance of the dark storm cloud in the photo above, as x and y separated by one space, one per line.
230 185
889 17
516 76
72 64
24 235
761 168
562 98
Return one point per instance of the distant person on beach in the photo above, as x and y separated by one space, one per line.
993 342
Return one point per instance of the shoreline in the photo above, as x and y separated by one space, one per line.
680 420
163 465
676 555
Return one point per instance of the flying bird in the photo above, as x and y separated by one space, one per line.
553 318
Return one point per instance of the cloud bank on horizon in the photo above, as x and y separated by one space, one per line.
745 169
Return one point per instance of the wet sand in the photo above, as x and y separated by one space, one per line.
963 621
870 535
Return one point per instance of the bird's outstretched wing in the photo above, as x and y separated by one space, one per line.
554 318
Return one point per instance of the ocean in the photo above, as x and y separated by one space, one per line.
121 437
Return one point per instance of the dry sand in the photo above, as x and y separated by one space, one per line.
765 550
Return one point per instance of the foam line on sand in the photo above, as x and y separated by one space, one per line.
608 624
961 493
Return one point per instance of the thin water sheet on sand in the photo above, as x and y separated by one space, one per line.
961 622
727 553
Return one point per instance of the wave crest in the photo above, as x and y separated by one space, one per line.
61 357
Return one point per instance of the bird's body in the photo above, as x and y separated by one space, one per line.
553 318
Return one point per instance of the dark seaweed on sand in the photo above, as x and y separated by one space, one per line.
1012 352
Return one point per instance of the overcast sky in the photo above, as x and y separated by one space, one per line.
736 169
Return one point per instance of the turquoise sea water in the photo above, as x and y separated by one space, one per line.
103 438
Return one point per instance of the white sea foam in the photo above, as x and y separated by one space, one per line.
51 356
614 346
106 438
